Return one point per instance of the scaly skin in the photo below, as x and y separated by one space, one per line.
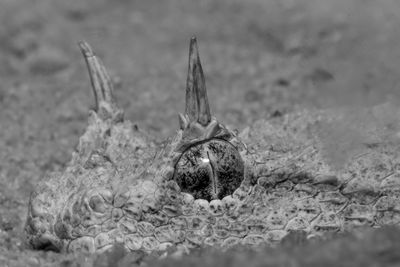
122 187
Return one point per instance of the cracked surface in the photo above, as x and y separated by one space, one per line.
119 187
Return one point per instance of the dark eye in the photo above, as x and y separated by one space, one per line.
210 170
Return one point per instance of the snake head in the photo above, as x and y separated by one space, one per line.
120 187
204 186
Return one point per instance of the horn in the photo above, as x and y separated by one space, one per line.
197 107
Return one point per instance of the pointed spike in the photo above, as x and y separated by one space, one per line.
191 103
204 114
197 107
99 78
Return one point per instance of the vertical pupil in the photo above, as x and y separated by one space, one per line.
210 170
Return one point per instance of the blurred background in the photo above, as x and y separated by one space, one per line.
261 59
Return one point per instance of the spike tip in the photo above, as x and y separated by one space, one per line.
101 84
197 107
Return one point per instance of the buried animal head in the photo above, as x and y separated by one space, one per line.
120 187
204 186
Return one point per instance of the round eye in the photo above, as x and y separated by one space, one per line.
210 170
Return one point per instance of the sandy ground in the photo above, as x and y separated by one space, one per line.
261 58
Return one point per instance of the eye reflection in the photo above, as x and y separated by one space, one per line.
205 160
210 170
